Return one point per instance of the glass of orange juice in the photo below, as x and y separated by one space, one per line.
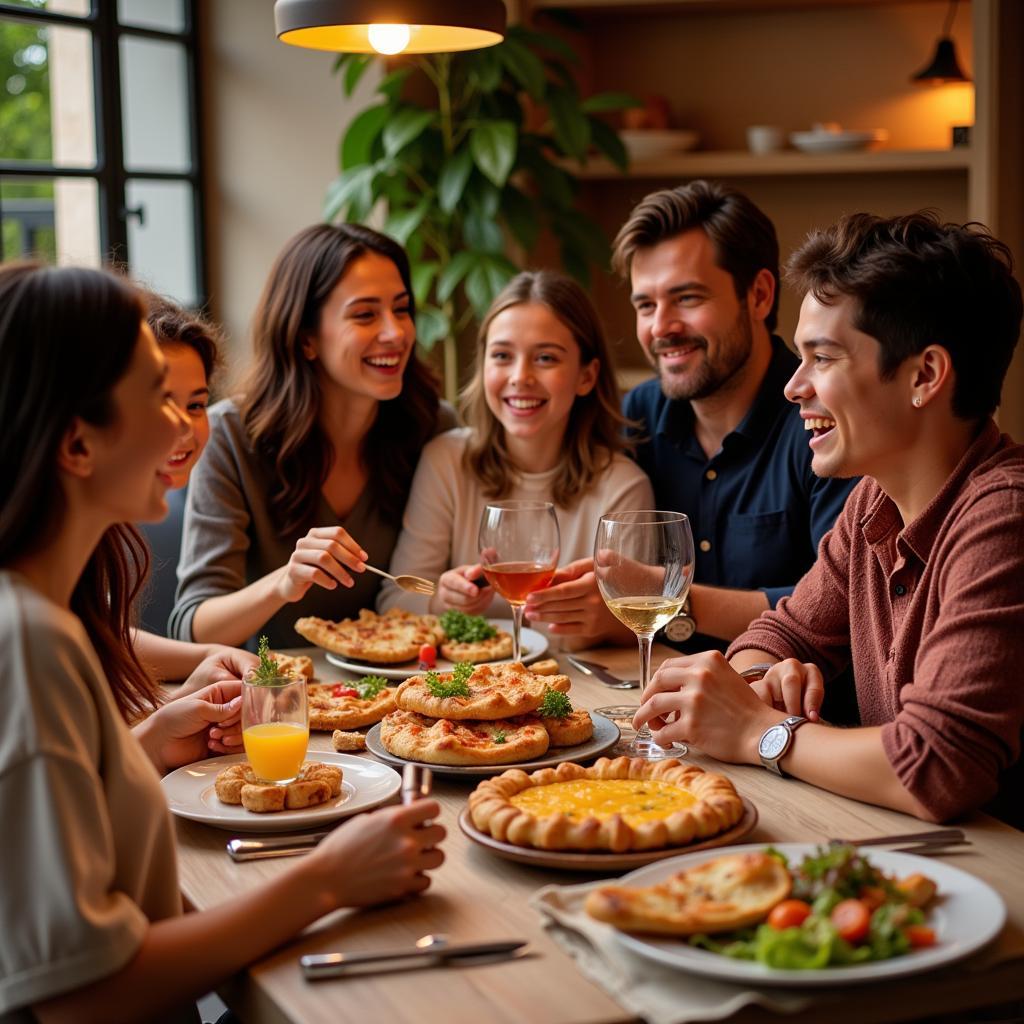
275 722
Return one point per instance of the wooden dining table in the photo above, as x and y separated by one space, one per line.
478 896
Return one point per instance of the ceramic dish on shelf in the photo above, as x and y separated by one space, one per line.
535 644
836 141
649 144
602 860
606 734
967 916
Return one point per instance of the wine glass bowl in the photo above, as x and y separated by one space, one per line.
644 563
519 546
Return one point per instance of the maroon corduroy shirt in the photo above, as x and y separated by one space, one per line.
932 616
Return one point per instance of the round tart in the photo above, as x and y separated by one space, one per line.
495 691
328 712
497 647
570 730
393 637
617 804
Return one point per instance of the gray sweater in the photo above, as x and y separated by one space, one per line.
230 539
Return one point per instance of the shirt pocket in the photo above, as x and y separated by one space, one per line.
760 550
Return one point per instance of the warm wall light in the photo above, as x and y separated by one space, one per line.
943 67
390 26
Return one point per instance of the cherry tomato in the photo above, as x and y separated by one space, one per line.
428 656
919 935
788 914
852 919
341 690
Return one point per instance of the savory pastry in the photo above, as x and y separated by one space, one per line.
617 804
386 639
547 667
488 692
316 784
348 705
728 892
348 742
494 649
463 743
299 665
568 730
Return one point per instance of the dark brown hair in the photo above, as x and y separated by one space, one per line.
67 337
743 237
281 399
595 429
173 325
919 282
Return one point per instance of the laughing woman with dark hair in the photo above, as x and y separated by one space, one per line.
305 477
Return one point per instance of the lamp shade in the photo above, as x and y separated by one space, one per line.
944 66
435 26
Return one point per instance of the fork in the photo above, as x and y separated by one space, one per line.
414 584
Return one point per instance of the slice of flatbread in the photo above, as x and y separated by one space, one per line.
499 646
328 712
297 665
387 639
495 691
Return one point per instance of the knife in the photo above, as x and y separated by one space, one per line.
275 846
330 965
599 672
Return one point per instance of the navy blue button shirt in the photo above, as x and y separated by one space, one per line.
756 509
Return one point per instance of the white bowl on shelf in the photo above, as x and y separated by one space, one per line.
654 143
837 141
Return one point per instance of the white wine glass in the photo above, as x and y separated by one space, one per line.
644 564
519 546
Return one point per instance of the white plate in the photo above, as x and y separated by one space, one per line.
967 915
648 144
190 794
605 736
534 645
836 142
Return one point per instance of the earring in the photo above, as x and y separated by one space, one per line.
917 401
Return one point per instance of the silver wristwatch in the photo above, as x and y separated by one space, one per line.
776 741
682 626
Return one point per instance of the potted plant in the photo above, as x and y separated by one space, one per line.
476 171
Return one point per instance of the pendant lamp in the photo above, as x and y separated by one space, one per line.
390 26
943 67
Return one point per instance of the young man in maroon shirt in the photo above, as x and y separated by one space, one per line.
906 331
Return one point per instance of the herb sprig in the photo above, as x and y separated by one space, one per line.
461 628
457 685
555 705
370 686
499 736
268 672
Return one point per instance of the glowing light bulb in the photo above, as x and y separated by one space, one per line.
389 39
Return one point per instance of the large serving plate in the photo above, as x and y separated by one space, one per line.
968 914
602 860
534 645
190 794
606 734
650 144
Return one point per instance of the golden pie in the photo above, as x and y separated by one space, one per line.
490 692
728 892
316 784
386 639
570 730
298 666
617 804
339 706
497 647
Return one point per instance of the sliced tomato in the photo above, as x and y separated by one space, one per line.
920 936
852 919
428 656
341 690
788 914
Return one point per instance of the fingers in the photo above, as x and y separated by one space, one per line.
572 571
418 812
656 710
335 534
814 693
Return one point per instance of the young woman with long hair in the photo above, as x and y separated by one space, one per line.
91 922
306 475
543 423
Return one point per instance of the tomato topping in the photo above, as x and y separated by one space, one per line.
788 914
852 919
428 656
919 935
341 690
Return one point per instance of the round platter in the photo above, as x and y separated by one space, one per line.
535 645
606 734
608 861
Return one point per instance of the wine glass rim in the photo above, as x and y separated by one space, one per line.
520 505
657 517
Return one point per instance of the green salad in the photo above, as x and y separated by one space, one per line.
842 910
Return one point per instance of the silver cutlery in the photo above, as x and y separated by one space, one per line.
414 584
935 841
601 673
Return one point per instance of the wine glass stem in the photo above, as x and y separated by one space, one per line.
644 733
517 625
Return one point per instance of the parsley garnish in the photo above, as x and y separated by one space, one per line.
555 705
267 673
499 736
370 686
457 685
462 628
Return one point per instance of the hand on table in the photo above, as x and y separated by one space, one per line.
700 699
323 557
572 605
795 687
457 589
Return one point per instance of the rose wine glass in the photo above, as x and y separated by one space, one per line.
644 566
519 546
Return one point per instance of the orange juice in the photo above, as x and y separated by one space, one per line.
276 749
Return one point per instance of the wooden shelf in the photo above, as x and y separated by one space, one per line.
631 8
739 163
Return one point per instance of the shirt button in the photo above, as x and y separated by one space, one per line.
711 475
705 545
899 590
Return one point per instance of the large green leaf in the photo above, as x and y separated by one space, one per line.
483 69
602 102
407 124
423 274
391 84
355 71
363 132
482 197
482 232
402 223
493 145
452 180
431 326
520 215
352 187
572 127
553 184
490 274
524 66
608 142
449 278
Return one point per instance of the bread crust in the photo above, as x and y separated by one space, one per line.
299 666
462 743
387 639
728 892
316 784
327 712
717 808
495 691
575 728
495 649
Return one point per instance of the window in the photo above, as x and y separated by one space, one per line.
99 138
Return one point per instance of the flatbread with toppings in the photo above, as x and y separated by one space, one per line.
487 693
497 647
348 705
462 743
298 666
387 639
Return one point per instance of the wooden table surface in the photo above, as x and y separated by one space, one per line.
477 896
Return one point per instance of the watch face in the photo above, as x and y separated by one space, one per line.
680 628
773 742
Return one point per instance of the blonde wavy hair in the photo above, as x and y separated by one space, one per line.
595 431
